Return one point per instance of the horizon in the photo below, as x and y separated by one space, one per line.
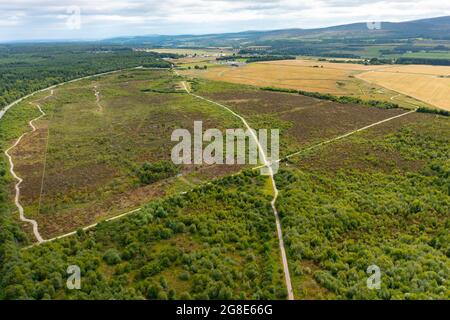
62 40
82 20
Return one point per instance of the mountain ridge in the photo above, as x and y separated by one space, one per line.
433 28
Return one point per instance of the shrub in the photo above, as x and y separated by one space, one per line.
153 172
111 257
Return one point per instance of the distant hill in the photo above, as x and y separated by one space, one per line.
434 28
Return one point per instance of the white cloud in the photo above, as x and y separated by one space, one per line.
28 19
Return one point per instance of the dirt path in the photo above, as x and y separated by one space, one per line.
341 137
19 179
97 99
85 228
268 165
12 104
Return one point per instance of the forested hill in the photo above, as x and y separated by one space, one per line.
434 28
26 68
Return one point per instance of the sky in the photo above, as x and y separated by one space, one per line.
100 19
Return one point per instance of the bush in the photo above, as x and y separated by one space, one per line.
184 276
112 257
153 172
434 111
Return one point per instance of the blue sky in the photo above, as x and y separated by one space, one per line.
50 19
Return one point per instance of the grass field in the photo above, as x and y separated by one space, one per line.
430 84
309 75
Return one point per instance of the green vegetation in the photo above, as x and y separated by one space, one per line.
11 233
376 198
30 67
435 111
249 57
108 158
341 99
153 172
216 242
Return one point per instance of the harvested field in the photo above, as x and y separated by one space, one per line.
426 83
308 75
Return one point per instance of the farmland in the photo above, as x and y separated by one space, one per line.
430 84
313 76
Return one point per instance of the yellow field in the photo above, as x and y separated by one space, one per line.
430 84
409 85
308 75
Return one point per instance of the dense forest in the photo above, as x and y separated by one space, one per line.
30 67
375 198
216 242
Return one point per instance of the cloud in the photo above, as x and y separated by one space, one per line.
29 19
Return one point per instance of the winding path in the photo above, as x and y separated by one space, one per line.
19 179
263 157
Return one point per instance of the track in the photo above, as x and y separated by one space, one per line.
97 99
20 180
340 137
12 104
268 165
